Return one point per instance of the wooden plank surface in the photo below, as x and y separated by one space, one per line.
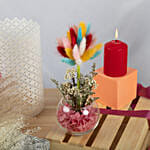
134 133
146 143
66 146
80 140
136 130
108 131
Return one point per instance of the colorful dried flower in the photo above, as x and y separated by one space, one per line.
78 46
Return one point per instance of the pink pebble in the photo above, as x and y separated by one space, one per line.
76 122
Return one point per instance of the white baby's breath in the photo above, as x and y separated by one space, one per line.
78 96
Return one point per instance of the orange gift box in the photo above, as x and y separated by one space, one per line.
116 92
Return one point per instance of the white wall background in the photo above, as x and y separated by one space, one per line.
131 17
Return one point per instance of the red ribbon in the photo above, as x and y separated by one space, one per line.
130 113
143 91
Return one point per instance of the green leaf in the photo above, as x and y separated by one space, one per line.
91 93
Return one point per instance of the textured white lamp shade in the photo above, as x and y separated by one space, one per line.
20 60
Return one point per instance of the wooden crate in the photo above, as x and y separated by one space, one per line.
112 133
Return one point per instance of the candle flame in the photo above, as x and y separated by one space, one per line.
116 34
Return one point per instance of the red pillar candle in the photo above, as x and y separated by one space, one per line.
115 58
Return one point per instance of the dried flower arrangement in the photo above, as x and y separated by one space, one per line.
77 113
78 97
76 48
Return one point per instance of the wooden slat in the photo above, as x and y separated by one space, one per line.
66 146
108 131
134 134
80 140
136 129
146 143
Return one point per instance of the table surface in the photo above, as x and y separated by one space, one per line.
46 120
51 97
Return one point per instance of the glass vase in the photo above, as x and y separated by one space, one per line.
77 122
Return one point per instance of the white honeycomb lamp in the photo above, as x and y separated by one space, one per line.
20 60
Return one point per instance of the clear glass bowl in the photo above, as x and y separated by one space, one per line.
77 123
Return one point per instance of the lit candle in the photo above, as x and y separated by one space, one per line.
115 57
